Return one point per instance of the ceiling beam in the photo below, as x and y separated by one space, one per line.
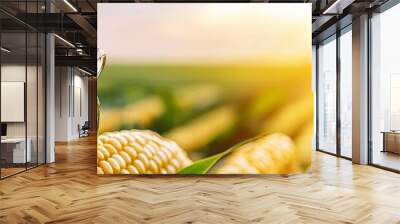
338 6
76 61
317 25
84 24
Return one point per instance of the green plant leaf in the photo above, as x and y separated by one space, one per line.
204 165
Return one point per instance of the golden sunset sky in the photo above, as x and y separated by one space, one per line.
217 33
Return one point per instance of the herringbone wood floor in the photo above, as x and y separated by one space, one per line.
69 191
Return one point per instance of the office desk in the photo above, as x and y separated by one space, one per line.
391 141
13 150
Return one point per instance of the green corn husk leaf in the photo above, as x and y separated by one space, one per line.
204 165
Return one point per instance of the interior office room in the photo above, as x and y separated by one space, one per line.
384 90
45 89
49 63
334 90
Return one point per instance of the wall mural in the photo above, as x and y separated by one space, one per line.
206 88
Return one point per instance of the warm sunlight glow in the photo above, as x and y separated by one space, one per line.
210 33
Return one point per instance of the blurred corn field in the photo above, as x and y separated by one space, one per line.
203 112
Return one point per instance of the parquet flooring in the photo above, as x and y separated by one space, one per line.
69 191
10 171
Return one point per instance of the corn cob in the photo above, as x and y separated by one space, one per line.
138 152
196 96
141 113
272 154
290 118
204 129
303 143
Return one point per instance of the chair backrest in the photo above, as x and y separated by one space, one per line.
86 124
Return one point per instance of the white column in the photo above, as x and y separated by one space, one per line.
50 92
360 90
50 98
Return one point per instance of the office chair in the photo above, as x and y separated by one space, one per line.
84 130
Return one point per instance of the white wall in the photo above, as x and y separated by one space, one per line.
71 93
80 100
62 81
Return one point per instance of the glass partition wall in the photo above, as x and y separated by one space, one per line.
13 90
334 90
22 107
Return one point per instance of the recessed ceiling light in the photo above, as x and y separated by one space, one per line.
337 7
84 71
70 5
5 50
64 40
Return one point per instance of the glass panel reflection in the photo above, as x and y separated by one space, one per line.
346 93
327 96
385 89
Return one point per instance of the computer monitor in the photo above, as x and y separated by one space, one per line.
3 129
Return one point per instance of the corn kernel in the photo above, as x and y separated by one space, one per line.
270 154
138 152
